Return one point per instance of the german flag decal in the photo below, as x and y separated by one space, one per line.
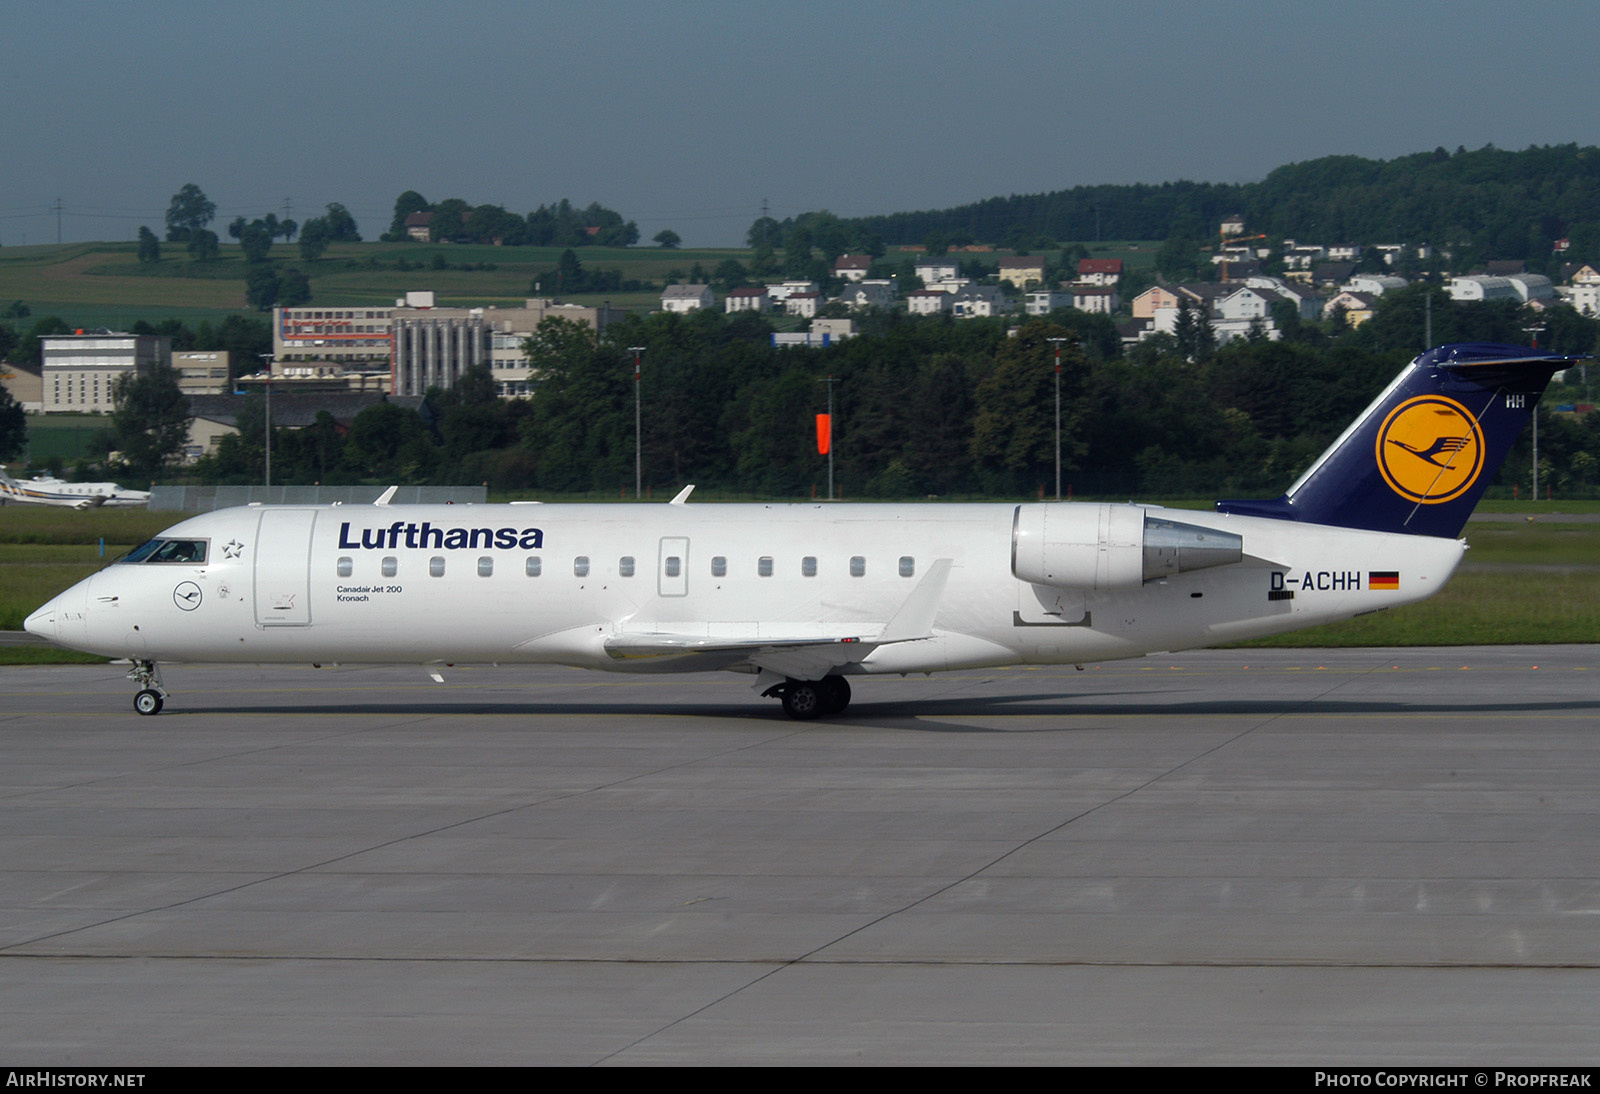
1383 580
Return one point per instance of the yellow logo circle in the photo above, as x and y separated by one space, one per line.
1430 449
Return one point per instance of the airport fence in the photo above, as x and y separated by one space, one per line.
203 499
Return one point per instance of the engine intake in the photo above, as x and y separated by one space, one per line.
1077 546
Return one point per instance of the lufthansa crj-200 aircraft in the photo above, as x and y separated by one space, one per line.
45 490
806 596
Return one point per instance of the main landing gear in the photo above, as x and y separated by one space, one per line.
804 700
151 694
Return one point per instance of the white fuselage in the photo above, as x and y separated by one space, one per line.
44 490
653 588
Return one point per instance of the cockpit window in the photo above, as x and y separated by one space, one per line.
191 551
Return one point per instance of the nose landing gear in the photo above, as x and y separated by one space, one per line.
151 695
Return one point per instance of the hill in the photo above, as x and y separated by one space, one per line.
1494 203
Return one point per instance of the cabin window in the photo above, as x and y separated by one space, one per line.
764 567
390 566
533 566
580 566
345 567
625 566
436 566
858 566
908 565
719 566
808 566
674 565
485 566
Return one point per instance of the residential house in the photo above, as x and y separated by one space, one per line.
1307 303
1356 306
755 300
417 227
867 294
852 267
687 298
928 301
781 291
1100 271
979 301
1022 270
1045 301
1095 299
803 304
1153 299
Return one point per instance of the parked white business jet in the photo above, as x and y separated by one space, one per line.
805 596
47 490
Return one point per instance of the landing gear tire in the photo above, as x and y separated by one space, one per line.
802 700
151 695
835 694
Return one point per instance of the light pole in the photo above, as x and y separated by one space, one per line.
638 434
1057 343
830 381
1535 331
269 358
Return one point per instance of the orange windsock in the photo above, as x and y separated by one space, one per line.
824 433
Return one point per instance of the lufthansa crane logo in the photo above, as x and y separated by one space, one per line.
1430 449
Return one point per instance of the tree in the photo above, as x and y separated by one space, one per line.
313 239
149 247
255 239
261 288
667 239
294 289
13 426
151 421
341 225
189 212
765 232
203 245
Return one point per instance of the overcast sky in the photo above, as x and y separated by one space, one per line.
689 115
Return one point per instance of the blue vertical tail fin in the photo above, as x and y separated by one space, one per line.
1418 459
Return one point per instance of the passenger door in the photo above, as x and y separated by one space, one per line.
283 567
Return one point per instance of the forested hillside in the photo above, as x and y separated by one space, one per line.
1485 204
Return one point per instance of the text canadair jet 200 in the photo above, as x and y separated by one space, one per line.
46 490
805 596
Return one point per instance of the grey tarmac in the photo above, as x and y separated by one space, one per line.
1309 857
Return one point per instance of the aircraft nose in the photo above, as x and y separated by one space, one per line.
43 621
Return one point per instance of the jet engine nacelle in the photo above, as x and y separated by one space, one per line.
1111 546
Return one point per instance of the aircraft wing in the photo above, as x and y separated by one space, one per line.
801 656
805 658
94 502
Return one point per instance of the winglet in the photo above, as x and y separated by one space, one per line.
683 495
385 497
915 618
